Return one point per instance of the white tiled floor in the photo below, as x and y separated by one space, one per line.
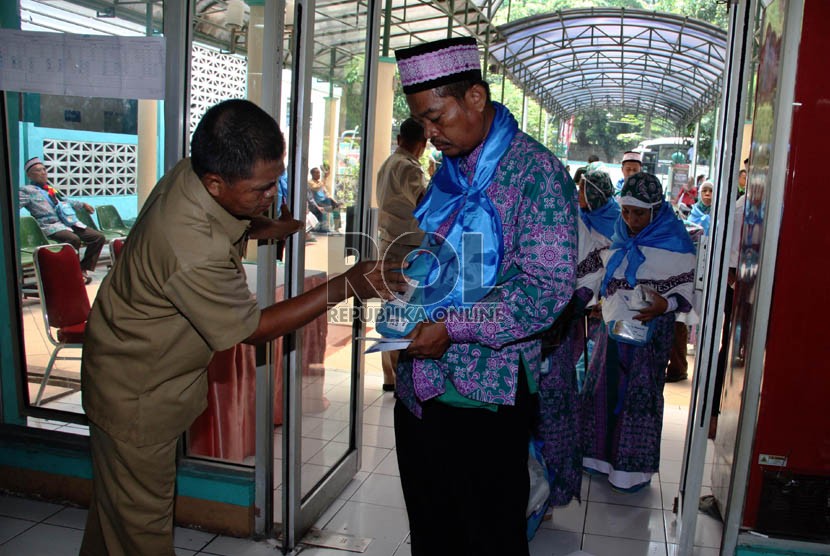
604 524
371 506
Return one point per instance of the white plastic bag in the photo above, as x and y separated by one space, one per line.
310 221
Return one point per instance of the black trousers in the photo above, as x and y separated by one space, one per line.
93 239
464 477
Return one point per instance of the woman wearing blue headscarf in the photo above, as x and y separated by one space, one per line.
558 424
648 281
700 210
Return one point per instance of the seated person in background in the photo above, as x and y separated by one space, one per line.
632 162
55 215
321 194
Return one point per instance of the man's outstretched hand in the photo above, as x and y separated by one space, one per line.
263 227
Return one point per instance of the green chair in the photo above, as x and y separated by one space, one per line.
31 237
110 221
86 218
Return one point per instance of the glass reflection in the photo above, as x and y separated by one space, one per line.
89 155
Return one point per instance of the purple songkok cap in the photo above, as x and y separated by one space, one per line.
438 63
31 162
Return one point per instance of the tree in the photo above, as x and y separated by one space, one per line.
705 10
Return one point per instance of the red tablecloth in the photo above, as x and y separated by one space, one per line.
227 427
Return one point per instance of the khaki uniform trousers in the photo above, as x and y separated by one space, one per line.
389 359
133 489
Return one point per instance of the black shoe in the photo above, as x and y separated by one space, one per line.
87 278
708 506
677 378
388 387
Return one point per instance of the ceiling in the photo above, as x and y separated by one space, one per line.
647 63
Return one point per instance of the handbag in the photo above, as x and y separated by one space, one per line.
67 214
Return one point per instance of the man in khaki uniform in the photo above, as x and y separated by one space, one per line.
401 185
176 295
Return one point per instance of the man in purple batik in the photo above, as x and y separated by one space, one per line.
499 219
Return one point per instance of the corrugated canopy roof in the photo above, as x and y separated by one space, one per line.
649 63
643 62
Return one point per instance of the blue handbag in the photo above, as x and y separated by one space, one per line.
67 214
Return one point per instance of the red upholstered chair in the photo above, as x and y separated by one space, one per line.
116 245
63 300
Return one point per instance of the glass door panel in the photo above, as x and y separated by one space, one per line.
99 147
325 430
334 147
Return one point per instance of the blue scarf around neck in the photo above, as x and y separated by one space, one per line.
473 247
602 219
665 231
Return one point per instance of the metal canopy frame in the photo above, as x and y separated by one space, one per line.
647 63
654 64
338 28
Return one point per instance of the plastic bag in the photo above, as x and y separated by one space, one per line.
400 315
311 221
538 498
641 297
630 331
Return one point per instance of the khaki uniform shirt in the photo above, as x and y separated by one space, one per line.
176 295
401 182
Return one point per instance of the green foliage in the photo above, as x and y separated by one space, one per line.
706 135
352 100
400 109
706 10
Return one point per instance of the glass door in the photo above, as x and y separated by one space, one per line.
328 89
94 133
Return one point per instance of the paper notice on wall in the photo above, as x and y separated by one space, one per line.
82 65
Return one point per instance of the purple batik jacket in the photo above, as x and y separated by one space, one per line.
535 197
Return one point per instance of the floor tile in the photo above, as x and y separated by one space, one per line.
44 540
548 542
378 415
614 546
353 485
625 521
230 546
382 490
69 517
568 518
10 527
387 527
649 497
308 550
671 449
696 551
708 531
371 457
380 437
331 453
670 470
669 492
330 512
191 539
389 465
23 508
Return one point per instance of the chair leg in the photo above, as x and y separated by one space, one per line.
46 374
